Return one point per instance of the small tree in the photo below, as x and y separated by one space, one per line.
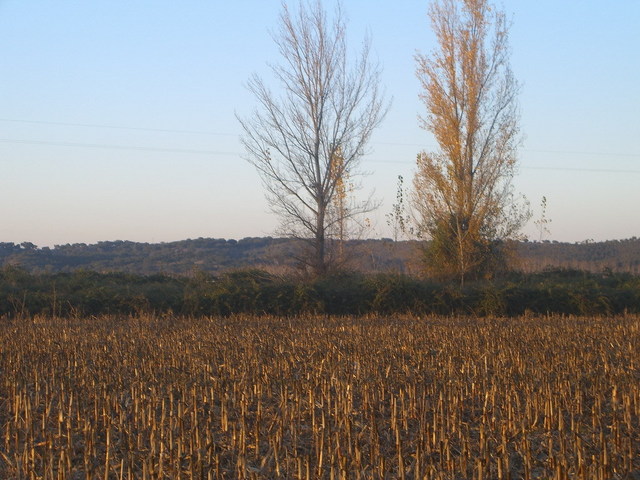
306 140
462 194
542 223
340 207
398 219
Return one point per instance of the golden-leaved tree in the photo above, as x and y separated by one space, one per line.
462 194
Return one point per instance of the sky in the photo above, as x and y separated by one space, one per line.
118 118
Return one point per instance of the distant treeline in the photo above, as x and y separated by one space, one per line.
278 255
86 293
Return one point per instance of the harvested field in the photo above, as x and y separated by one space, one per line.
317 397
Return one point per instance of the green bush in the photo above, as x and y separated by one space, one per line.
566 292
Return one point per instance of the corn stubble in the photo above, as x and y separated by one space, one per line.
251 397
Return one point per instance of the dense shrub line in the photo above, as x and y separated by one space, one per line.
257 292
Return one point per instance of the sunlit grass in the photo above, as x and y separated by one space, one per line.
316 397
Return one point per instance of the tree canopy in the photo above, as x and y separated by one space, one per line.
462 193
305 138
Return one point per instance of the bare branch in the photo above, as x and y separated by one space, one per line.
325 106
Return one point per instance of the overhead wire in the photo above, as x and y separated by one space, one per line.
218 152
117 147
118 127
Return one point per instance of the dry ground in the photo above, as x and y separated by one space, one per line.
315 397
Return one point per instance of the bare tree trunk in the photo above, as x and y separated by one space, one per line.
461 251
319 266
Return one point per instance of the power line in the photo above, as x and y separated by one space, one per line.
595 170
530 150
575 152
219 152
117 147
226 134
118 127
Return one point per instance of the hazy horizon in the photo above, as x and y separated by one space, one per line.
114 240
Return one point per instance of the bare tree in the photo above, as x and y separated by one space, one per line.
542 223
398 219
462 195
311 135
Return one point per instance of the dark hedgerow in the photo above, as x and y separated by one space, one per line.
565 292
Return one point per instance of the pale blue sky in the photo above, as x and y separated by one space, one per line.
117 118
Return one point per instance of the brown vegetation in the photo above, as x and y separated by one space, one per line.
462 196
251 397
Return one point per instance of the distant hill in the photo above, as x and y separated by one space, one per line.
278 255
615 255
